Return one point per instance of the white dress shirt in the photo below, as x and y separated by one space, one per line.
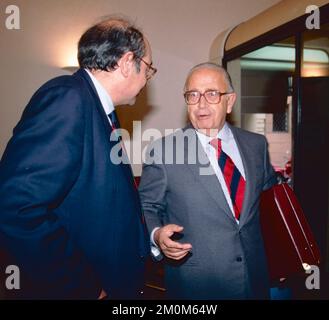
104 97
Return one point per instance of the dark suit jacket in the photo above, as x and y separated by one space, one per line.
69 217
228 259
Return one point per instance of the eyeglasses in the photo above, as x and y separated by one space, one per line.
211 96
150 71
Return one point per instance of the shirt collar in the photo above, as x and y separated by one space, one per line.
224 134
105 98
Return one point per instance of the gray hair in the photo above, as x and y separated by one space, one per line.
214 66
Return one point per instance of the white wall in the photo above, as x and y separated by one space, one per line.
180 32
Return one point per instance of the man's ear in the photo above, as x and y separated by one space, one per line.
231 97
126 63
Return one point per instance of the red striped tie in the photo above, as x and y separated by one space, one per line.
234 180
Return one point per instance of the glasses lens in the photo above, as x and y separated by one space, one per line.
192 97
149 72
154 71
212 96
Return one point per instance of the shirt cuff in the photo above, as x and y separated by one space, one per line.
152 237
155 250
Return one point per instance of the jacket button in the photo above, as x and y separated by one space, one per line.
238 259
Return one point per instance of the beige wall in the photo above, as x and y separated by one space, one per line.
180 32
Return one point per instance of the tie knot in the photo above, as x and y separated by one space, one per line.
217 144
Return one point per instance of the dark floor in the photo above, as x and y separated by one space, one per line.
155 288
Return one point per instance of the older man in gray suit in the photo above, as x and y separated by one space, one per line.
200 191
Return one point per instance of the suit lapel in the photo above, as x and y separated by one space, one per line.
204 173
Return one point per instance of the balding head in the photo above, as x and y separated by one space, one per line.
213 66
102 45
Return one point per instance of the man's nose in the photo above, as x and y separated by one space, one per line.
202 102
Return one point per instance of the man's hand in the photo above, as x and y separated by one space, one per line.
171 249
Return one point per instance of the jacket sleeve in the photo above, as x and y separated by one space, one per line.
269 174
39 167
152 190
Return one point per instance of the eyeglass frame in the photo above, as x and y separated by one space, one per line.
203 95
149 67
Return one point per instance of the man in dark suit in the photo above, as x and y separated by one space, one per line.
70 215
200 191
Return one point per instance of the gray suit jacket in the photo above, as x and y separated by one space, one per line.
228 259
